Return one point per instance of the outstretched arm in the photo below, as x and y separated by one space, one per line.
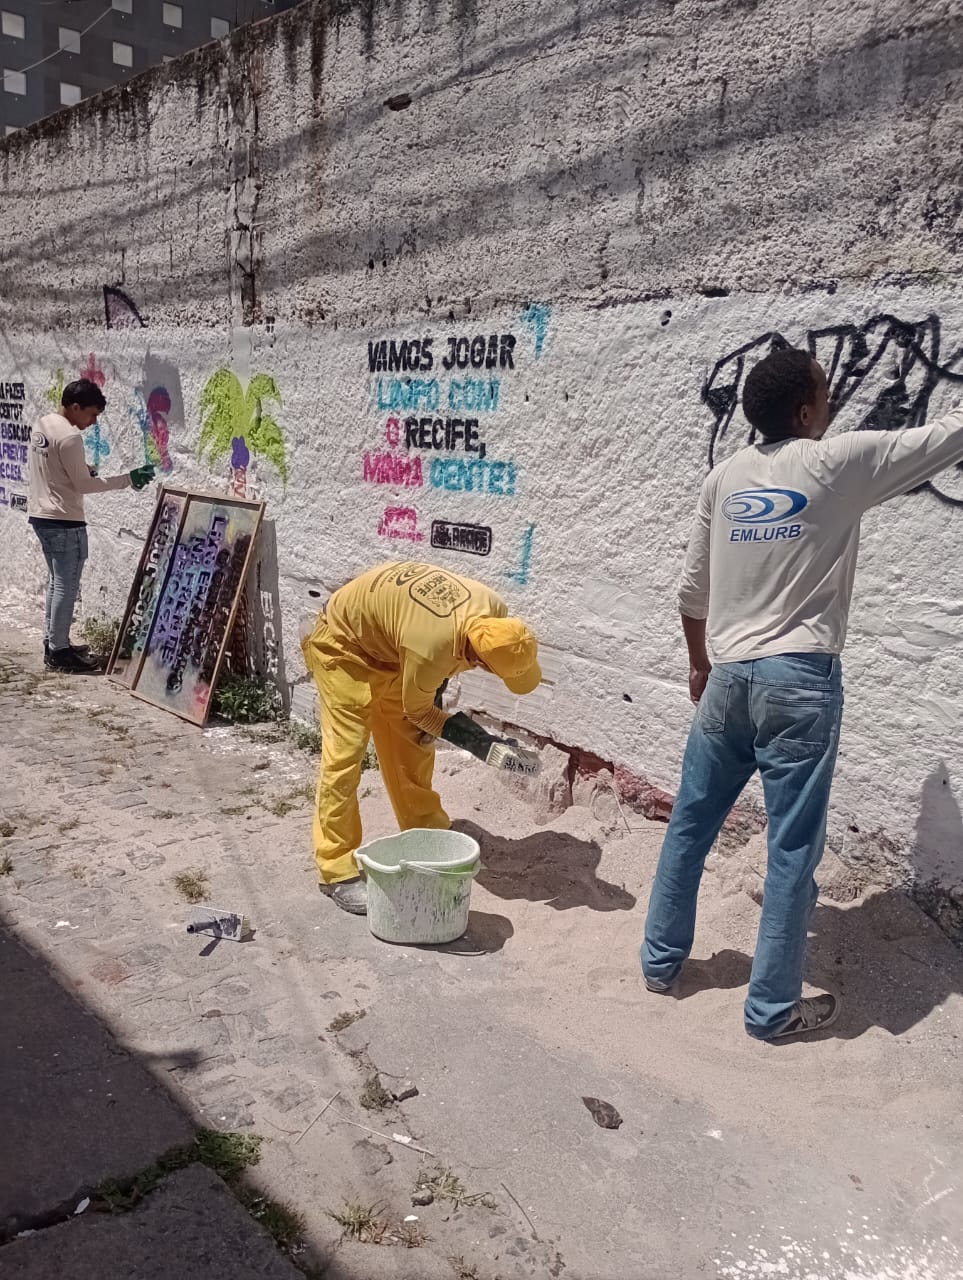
75 464
500 753
872 466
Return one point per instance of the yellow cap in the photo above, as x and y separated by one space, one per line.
509 650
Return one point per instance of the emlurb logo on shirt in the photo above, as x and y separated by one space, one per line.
770 508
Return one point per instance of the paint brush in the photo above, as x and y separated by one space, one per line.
511 758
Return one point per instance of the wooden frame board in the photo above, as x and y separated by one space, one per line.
197 604
148 583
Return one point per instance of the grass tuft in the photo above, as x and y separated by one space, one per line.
246 700
463 1270
100 634
344 1020
364 1223
226 1153
359 1222
374 1096
284 1225
446 1185
192 885
306 737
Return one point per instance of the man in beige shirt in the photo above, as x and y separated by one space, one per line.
58 479
766 589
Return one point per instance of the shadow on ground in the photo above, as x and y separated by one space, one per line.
78 1110
486 934
888 961
549 866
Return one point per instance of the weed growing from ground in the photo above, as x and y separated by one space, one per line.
192 885
344 1020
359 1222
246 700
282 805
306 737
446 1185
374 1096
228 1154
365 1224
100 635
462 1269
284 1225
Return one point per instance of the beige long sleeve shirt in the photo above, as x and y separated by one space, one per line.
772 555
58 474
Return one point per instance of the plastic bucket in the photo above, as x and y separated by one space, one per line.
419 885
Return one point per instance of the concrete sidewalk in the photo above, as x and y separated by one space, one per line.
833 1159
79 1110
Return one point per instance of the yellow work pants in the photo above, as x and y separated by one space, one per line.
358 702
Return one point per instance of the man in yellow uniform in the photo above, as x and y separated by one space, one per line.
380 653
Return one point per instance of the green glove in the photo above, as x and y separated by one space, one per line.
140 477
463 732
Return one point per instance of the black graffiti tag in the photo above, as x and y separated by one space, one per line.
881 374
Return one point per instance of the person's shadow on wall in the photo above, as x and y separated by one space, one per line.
550 866
938 852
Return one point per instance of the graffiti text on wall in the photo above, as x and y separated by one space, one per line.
417 355
400 522
521 574
14 436
881 375
440 397
475 539
537 317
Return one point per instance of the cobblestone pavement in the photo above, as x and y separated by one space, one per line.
730 1154
104 802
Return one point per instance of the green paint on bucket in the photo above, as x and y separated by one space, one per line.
419 885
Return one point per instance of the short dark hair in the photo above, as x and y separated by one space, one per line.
85 393
776 389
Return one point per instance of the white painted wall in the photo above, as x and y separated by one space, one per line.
579 177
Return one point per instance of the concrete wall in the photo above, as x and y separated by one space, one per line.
607 209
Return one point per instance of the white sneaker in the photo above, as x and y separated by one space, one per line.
350 896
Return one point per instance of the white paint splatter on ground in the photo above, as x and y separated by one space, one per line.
867 1259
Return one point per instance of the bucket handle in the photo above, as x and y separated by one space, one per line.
426 870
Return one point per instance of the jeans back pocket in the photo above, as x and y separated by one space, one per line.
801 726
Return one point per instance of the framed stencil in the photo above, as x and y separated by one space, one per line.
197 604
148 583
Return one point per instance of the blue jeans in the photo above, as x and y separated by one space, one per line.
780 716
65 551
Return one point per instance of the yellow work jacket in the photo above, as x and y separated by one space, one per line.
412 618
